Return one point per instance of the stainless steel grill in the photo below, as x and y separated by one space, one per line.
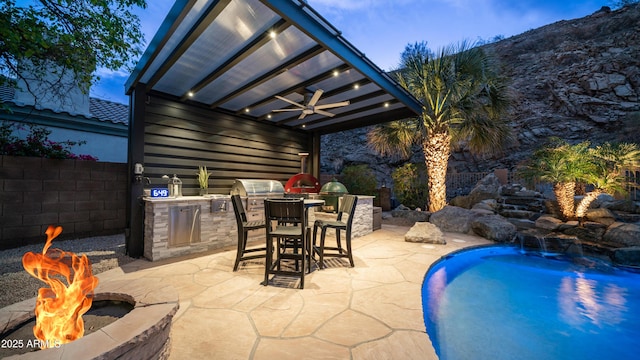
253 193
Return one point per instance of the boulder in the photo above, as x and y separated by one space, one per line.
627 218
601 215
602 201
489 205
568 225
622 205
411 215
482 212
522 224
460 201
623 233
528 193
548 222
519 214
453 219
487 188
629 256
511 189
494 227
424 232
589 231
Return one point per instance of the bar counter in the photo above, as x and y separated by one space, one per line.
191 224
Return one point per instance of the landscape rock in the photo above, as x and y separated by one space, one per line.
601 215
453 219
486 205
589 231
522 224
487 188
460 201
623 233
629 256
622 205
548 222
424 232
494 227
568 225
482 212
411 215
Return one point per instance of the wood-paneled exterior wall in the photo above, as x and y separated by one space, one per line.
179 137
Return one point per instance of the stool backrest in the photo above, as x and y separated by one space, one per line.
348 207
238 209
289 211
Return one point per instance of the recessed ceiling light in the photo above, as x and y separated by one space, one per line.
272 34
356 86
246 110
304 125
269 116
386 104
190 93
335 73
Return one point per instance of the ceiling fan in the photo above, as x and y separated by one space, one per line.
310 107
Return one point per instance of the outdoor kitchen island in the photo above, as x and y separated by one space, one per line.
191 224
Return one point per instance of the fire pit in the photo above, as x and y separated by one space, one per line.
143 333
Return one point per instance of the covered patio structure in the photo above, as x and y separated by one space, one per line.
205 91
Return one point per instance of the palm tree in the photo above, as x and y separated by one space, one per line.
561 165
610 161
462 97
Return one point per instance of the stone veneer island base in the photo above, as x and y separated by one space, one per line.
215 225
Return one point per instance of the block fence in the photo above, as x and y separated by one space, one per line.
86 198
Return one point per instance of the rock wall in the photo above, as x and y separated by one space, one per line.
577 79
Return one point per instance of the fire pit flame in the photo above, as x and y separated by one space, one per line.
59 308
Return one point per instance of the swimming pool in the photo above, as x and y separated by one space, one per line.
495 302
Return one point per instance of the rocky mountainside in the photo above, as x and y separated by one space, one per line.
576 79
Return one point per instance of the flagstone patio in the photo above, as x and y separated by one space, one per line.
371 311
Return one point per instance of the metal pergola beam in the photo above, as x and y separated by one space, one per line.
352 112
382 117
177 13
328 36
236 58
309 54
209 15
300 87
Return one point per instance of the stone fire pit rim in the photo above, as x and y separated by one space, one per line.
154 308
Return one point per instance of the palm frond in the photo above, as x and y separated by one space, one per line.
394 138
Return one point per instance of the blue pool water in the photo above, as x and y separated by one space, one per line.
497 303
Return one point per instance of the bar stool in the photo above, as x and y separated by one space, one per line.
286 222
348 208
243 228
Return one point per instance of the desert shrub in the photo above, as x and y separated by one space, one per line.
410 185
359 180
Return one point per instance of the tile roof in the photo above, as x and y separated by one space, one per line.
106 110
102 110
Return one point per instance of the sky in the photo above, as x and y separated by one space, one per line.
382 28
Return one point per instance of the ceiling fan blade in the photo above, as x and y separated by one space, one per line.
280 110
290 101
325 113
302 116
315 97
333 105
